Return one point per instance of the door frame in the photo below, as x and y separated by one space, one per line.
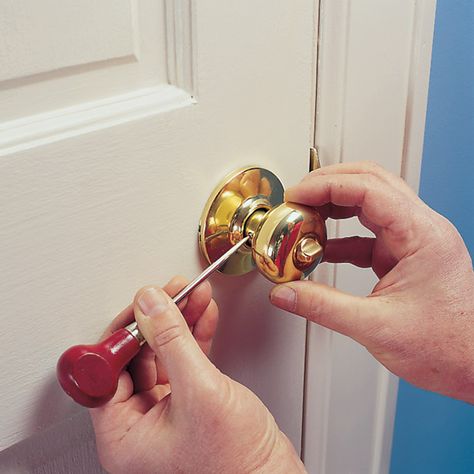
350 399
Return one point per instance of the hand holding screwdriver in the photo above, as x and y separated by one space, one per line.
89 373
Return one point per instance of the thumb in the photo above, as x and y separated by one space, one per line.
353 316
166 332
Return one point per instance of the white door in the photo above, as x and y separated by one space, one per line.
117 120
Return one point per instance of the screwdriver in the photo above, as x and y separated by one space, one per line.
89 373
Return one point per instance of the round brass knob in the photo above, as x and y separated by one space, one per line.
286 239
289 242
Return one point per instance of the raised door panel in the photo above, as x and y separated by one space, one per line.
57 54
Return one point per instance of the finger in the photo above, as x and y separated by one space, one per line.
124 388
134 379
367 167
124 393
353 316
332 211
354 250
391 211
192 308
198 301
196 304
143 369
360 251
174 286
167 333
116 416
206 326
124 318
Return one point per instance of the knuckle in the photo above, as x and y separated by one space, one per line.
314 308
167 336
215 394
179 280
370 180
311 174
216 387
371 165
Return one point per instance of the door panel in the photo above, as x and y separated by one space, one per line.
58 54
105 166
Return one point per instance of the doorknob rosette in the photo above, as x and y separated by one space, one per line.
286 239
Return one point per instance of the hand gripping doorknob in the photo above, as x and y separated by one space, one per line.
245 225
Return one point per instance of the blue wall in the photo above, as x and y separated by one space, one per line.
434 434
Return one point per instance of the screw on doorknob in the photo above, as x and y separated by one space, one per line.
307 251
89 373
289 242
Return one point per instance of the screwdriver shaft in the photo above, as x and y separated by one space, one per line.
133 327
208 271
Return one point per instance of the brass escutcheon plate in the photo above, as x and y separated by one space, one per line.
233 201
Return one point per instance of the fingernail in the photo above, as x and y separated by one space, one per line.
153 302
284 297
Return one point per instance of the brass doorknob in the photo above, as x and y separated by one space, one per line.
286 239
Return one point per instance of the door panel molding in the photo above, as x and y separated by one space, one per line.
181 44
373 74
50 127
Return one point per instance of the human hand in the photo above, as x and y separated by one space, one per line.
419 319
173 410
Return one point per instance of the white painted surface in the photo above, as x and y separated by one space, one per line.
103 195
373 74
40 37
61 53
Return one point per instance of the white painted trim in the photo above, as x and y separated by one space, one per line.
336 21
318 385
385 409
417 100
181 44
49 127
319 349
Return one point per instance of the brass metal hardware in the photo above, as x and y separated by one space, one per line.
314 162
286 239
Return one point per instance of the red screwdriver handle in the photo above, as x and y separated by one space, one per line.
89 374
